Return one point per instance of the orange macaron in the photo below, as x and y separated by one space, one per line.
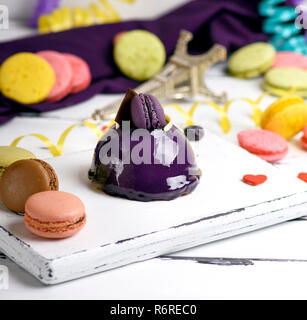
54 214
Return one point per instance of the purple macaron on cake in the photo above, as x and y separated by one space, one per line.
142 156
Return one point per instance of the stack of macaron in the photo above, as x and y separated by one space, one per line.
47 75
288 72
281 121
285 74
30 186
283 71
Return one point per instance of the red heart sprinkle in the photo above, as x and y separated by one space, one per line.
254 179
302 176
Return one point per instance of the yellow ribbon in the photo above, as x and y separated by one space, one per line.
66 18
57 150
82 17
257 112
113 15
224 120
183 113
222 110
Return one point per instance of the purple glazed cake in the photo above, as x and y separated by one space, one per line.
142 156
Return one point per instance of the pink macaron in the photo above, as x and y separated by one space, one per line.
290 59
63 74
265 144
81 72
54 214
304 137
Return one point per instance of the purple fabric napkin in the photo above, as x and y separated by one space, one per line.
230 23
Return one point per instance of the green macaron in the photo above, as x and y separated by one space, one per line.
252 60
9 154
139 54
279 81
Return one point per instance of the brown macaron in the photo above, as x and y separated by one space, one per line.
24 178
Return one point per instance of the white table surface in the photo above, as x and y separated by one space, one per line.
267 264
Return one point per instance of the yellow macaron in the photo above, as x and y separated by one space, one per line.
287 116
26 78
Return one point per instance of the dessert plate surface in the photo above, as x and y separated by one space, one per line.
120 231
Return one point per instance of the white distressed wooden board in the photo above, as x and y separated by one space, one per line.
119 231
